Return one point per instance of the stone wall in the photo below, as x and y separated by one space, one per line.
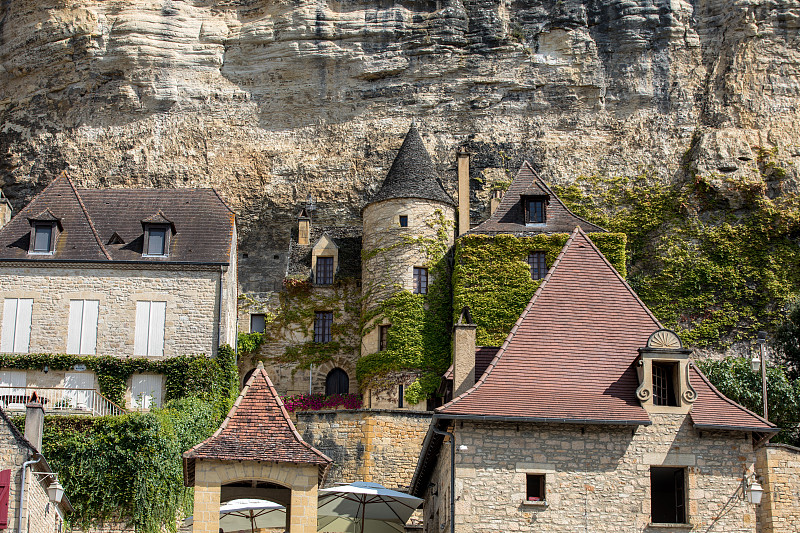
596 478
39 514
381 446
778 469
192 311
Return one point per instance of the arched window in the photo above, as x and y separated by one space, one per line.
337 382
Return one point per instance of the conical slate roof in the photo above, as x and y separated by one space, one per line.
257 428
412 174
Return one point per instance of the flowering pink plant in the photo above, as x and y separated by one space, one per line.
317 402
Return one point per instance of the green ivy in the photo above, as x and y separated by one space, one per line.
713 273
492 277
128 468
419 339
215 379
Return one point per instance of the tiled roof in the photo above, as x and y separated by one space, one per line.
570 356
257 428
712 410
203 224
412 174
509 217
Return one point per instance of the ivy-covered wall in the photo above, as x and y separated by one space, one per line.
492 277
214 379
128 468
715 258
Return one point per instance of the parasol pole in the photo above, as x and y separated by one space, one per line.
252 522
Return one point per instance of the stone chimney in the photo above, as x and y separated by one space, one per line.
303 227
463 353
5 210
34 422
494 202
463 192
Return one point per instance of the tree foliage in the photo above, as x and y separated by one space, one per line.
735 379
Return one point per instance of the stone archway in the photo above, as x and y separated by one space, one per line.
256 444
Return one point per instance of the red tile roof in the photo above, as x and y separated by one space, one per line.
712 410
570 355
257 428
509 217
202 223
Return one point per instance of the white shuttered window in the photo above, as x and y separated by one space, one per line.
82 335
145 391
16 334
149 336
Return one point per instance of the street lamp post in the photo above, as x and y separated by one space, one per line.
761 362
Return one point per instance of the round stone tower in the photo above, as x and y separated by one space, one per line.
408 230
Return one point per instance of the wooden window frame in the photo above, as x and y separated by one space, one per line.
664 390
324 276
535 488
383 337
677 488
420 280
537 262
323 320
528 200
146 246
402 220
263 319
54 233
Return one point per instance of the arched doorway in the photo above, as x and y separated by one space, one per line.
337 382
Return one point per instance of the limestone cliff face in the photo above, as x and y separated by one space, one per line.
269 100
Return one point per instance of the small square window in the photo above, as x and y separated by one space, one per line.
43 238
383 337
667 495
403 221
534 488
537 264
324 271
257 323
156 241
535 210
322 326
420 280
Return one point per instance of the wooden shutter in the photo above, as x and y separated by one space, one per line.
5 496
22 333
142 328
9 324
146 391
155 341
75 322
91 309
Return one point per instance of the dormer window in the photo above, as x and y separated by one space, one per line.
155 241
663 370
157 231
535 209
44 233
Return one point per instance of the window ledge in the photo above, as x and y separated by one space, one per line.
540 503
667 525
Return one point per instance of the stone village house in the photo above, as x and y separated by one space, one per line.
590 417
120 272
21 463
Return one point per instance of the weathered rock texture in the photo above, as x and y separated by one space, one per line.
271 100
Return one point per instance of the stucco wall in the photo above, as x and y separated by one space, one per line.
192 312
778 468
381 446
596 478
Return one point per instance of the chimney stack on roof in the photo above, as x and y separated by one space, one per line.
463 353
463 192
34 422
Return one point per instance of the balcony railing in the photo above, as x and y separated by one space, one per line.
59 401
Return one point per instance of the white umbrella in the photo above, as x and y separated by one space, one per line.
241 515
345 524
366 502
